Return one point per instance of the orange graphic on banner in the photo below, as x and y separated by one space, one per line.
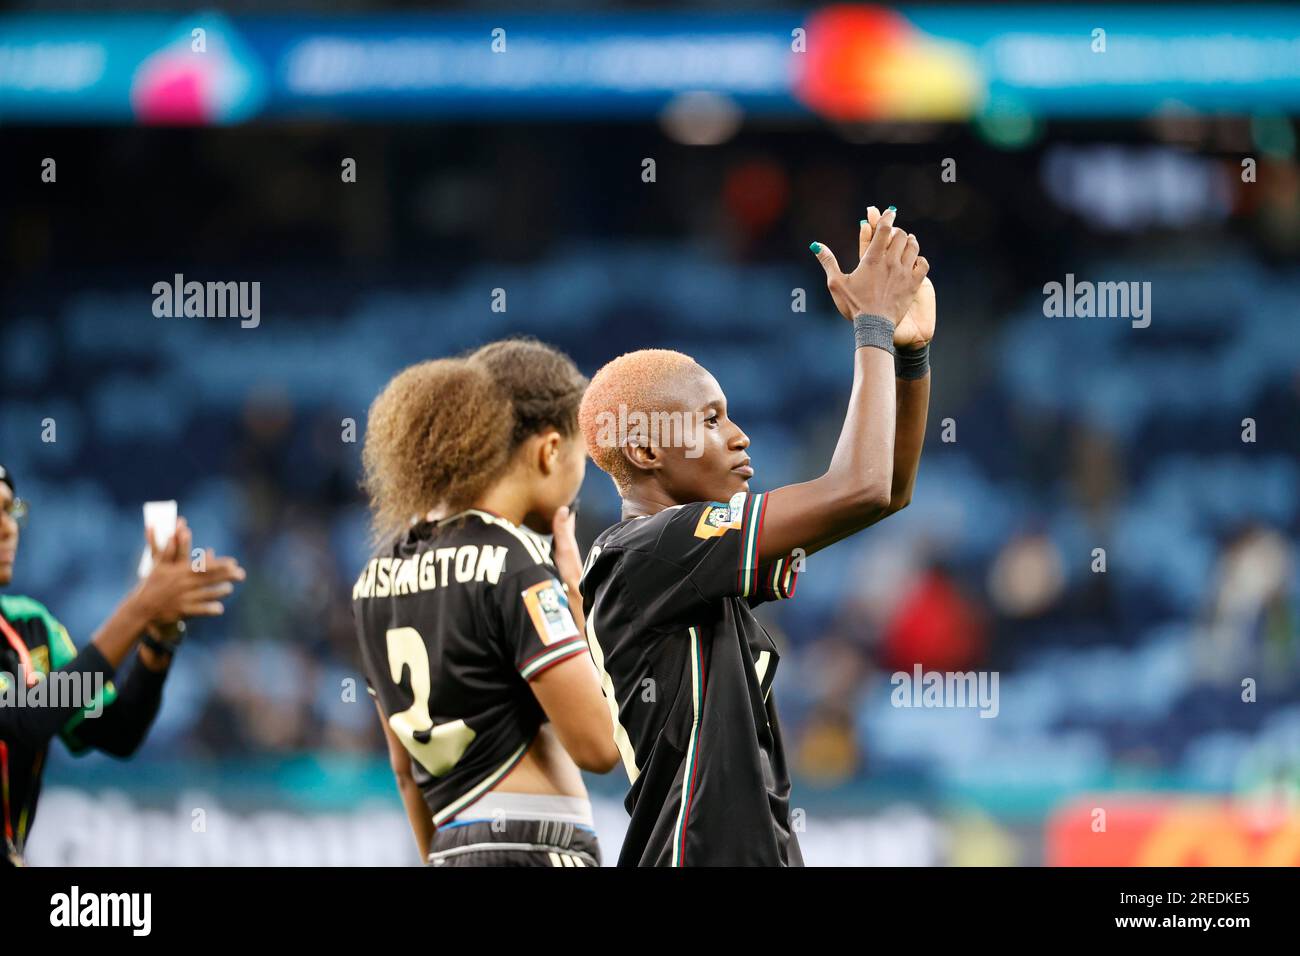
1140 832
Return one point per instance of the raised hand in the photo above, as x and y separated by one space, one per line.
888 274
174 591
917 327
568 559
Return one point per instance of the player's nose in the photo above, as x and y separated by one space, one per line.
739 441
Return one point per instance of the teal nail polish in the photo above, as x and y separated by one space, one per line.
862 222
816 247
892 209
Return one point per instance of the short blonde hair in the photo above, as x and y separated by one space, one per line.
635 382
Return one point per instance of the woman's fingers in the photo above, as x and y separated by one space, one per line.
184 539
221 569
203 609
911 250
568 560
897 243
562 526
883 234
827 259
210 592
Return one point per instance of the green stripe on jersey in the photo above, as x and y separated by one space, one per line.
692 752
749 568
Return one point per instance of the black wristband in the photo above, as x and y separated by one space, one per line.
157 646
911 364
873 331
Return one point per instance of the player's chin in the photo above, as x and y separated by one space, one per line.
735 484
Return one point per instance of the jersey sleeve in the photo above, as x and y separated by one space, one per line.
537 624
701 553
777 580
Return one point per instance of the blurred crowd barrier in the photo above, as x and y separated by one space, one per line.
220 826
196 827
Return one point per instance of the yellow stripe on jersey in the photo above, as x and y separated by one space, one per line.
621 739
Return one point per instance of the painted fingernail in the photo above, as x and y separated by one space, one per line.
892 209
816 247
862 222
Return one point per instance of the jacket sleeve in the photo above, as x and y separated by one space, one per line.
35 723
122 725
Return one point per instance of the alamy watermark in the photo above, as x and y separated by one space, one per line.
131 911
84 690
1102 300
209 300
662 429
920 688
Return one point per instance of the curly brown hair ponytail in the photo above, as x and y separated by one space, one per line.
437 436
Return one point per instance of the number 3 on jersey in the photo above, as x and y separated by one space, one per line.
436 748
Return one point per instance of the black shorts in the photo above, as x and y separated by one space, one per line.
514 843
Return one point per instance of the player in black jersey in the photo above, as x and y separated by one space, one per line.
669 591
484 684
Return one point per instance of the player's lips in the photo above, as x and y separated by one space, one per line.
744 469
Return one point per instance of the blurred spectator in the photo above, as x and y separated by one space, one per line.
827 753
1250 628
936 626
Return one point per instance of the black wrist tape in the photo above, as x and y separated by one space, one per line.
157 646
873 331
911 364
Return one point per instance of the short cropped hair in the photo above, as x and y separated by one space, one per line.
635 382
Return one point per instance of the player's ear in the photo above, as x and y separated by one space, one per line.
642 454
548 451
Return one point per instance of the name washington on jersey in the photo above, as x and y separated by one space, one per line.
437 567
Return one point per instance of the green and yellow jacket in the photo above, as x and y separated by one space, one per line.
70 694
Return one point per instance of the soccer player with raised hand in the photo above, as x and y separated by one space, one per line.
669 590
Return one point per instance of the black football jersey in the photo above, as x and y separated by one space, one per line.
688 671
454 619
